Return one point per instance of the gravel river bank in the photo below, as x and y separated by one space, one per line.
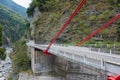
6 65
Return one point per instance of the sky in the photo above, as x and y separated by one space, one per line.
24 3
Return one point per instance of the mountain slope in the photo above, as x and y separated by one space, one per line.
93 15
15 7
13 24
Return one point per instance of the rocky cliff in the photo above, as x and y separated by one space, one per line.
52 14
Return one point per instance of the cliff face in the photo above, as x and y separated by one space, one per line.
93 15
33 19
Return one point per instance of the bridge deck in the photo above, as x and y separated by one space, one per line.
105 61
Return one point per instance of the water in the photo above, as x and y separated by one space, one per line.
5 65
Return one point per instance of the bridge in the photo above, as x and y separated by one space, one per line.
100 60
107 62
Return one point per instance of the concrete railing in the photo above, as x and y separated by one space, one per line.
98 50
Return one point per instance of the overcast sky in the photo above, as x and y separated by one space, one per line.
24 3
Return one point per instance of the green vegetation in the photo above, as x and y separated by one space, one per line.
1 36
43 5
92 18
13 24
101 17
15 7
118 32
34 4
21 62
93 15
2 50
2 53
114 2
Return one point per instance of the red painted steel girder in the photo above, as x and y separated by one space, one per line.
110 78
99 29
65 25
117 78
113 78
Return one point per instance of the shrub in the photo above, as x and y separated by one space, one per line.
0 35
21 61
2 53
36 3
101 17
92 18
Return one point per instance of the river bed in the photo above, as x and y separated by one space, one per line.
6 65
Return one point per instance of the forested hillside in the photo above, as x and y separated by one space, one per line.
92 16
13 24
13 6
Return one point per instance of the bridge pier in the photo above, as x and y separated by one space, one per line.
40 63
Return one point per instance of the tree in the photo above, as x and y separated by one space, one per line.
2 53
1 35
36 3
2 50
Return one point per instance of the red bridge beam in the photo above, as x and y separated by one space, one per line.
113 78
65 25
99 29
117 78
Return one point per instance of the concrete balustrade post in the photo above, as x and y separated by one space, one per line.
84 57
102 63
110 52
64 53
73 56
90 49
98 50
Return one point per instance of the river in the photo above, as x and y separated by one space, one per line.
6 65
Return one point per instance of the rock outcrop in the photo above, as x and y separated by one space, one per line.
46 23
